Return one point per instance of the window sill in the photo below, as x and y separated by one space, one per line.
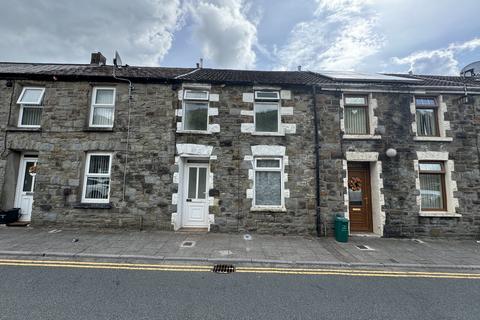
361 137
438 139
24 129
268 209
93 206
98 129
194 132
440 214
271 134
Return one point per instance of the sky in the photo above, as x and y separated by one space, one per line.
423 36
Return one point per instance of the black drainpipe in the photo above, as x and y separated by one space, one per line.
317 163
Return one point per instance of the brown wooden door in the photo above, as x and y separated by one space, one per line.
359 197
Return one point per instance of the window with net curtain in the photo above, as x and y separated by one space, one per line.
426 116
97 178
103 107
31 107
195 110
356 115
268 182
432 185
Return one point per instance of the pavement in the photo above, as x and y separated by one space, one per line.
250 249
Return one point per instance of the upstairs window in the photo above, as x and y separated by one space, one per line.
97 178
267 111
31 107
356 115
268 182
195 110
432 186
103 107
426 114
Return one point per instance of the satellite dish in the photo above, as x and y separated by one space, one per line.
117 61
471 70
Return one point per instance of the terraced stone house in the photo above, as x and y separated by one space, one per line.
96 145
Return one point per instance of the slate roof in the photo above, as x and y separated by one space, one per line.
147 74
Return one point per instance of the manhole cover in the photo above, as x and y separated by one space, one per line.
187 244
223 268
364 247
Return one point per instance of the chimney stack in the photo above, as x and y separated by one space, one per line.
98 59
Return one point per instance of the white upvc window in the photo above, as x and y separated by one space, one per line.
268 189
195 110
267 112
96 187
356 114
102 110
31 107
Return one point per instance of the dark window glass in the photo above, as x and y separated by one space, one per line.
266 117
196 116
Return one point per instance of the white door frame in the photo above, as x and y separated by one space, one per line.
183 188
19 193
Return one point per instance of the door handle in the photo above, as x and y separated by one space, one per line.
189 200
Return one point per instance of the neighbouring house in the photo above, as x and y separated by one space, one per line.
93 145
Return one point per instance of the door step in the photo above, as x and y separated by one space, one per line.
18 224
193 230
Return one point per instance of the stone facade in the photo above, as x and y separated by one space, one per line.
149 198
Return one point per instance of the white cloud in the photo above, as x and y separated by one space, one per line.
69 30
224 32
340 37
439 61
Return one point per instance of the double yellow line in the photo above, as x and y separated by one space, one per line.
263 270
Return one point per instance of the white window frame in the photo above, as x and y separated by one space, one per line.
94 105
187 91
86 175
269 101
280 169
37 105
365 105
202 101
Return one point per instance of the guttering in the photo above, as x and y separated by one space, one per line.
318 220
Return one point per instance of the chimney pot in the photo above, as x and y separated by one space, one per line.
299 68
98 59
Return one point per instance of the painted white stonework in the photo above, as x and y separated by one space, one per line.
372 121
443 125
249 113
188 149
362 156
247 128
247 97
286 111
450 184
266 151
285 94
214 97
376 186
212 112
289 128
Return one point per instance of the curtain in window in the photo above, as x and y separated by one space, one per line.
431 191
99 164
356 120
266 117
31 116
102 116
196 116
97 187
268 188
104 96
426 122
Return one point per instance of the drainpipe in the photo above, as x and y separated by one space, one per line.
130 88
12 83
317 163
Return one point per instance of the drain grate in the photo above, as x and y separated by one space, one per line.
187 244
223 268
363 247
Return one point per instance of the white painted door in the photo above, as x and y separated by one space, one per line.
25 188
195 200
